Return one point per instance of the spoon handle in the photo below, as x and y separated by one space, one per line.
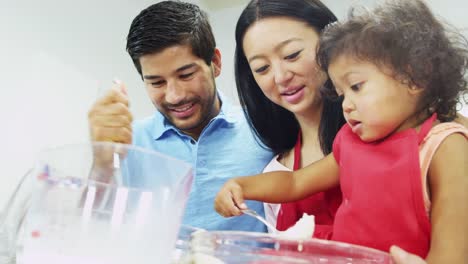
259 218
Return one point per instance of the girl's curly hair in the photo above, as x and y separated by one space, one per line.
406 37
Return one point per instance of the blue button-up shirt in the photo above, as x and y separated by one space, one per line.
226 148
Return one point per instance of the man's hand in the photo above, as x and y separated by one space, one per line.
110 119
400 256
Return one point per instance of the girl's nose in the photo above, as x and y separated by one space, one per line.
347 105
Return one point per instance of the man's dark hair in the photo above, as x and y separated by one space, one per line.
170 23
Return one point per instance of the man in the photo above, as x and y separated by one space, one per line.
173 48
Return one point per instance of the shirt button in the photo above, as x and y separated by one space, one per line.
192 142
202 163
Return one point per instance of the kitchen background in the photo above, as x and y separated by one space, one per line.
57 56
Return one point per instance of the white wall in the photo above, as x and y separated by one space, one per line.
55 56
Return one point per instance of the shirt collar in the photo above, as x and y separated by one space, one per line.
227 114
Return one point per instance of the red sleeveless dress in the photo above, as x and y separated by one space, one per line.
322 205
382 190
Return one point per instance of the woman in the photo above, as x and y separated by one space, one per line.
279 84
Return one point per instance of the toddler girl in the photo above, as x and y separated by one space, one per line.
402 165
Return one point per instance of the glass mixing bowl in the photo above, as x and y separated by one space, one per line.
248 247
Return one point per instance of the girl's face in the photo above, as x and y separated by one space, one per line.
281 54
375 103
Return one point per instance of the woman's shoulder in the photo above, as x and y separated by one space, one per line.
275 165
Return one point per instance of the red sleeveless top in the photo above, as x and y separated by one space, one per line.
322 205
381 183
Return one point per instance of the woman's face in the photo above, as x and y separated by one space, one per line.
281 54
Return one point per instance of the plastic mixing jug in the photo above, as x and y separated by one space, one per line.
103 203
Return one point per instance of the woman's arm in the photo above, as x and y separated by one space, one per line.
448 183
277 186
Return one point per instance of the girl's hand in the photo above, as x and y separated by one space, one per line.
400 256
230 200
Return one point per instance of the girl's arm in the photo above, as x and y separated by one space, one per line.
277 186
448 184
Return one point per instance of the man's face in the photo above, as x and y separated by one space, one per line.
182 87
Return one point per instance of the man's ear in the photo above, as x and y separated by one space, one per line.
216 62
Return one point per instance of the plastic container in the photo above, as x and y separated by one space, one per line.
248 247
103 203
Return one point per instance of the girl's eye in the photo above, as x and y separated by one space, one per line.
356 87
292 56
261 69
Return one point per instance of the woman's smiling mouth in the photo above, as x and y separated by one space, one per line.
293 94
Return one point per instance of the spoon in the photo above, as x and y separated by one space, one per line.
302 229
253 213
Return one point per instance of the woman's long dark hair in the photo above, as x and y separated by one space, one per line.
276 127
